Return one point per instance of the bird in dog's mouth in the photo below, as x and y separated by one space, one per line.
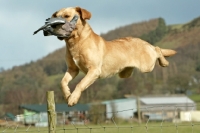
58 27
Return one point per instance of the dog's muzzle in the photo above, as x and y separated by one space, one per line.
51 23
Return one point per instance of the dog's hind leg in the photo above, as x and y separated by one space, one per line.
161 59
126 72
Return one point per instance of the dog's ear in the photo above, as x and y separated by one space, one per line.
54 14
83 13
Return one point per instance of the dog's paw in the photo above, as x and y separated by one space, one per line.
67 95
74 97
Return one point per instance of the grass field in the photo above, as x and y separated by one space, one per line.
110 128
196 99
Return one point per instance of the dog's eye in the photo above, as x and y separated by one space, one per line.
66 16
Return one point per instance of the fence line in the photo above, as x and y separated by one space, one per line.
113 124
13 127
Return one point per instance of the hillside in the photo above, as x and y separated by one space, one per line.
28 83
134 29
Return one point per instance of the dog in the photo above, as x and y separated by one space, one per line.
97 58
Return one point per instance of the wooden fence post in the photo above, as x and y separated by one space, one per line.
138 109
51 112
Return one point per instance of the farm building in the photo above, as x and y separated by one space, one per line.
123 108
154 108
165 107
37 114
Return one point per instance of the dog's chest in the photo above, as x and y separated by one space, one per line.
76 61
80 63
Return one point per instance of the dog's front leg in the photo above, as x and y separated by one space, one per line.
69 75
89 79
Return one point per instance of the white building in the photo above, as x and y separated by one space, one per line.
165 107
122 108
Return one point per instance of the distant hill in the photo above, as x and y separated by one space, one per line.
28 83
151 31
134 30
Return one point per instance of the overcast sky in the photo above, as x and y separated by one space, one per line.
20 18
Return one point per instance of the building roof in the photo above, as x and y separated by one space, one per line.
167 100
118 100
10 115
58 107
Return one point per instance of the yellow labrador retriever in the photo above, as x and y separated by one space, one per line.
98 58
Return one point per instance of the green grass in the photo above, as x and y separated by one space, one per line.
59 77
196 99
176 26
171 44
112 128
54 77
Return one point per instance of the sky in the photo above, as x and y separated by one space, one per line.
20 18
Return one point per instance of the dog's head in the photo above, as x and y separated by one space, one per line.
68 14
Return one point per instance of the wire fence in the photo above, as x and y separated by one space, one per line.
167 119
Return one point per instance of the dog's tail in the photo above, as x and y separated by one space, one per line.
168 52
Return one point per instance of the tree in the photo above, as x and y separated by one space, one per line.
198 66
156 35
